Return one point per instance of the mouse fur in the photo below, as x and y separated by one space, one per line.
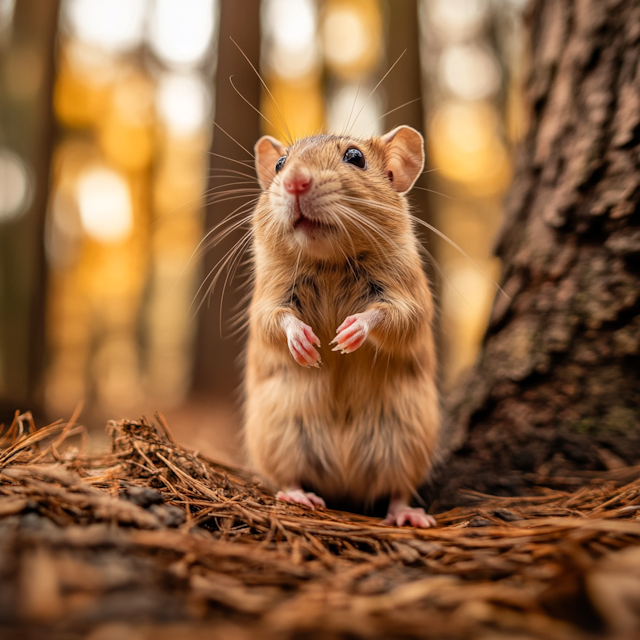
333 241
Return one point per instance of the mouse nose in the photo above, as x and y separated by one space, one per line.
298 182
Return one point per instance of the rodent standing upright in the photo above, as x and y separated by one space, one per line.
337 262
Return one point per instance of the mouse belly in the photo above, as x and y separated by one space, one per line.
374 440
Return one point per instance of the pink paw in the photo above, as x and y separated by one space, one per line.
416 517
352 333
300 338
298 496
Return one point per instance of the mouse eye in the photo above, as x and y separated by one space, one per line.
354 156
280 163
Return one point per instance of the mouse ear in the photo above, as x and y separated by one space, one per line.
405 157
267 151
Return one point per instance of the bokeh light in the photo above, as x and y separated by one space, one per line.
184 103
126 134
16 186
468 290
6 13
354 110
457 19
465 147
105 204
180 32
352 36
292 25
469 71
82 89
116 25
291 65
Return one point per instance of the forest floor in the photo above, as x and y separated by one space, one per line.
152 541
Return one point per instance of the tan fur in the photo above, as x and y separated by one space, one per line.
365 424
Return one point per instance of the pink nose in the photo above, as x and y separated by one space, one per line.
298 183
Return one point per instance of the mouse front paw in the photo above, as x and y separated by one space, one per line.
300 339
352 333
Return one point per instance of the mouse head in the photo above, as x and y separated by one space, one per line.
330 196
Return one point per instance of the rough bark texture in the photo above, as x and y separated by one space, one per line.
557 383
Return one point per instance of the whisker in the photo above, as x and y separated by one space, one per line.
266 88
232 184
353 106
384 115
444 195
336 220
295 275
245 207
464 253
217 198
439 233
200 197
207 242
232 187
226 133
216 272
442 274
363 224
212 242
384 77
239 321
254 108
232 172
248 165
231 270
241 146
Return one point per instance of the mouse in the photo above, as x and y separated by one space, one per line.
340 383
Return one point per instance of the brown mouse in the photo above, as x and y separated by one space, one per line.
341 400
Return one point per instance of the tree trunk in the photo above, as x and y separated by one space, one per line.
556 386
27 127
404 84
217 371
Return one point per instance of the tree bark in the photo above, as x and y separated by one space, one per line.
556 386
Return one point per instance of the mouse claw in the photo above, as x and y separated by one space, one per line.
300 339
351 334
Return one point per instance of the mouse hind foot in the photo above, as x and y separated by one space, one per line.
400 513
296 495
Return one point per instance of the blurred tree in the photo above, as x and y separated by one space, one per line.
406 105
404 84
28 130
216 371
556 386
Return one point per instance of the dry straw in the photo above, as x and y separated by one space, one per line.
152 541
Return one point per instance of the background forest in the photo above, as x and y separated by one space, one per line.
112 170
